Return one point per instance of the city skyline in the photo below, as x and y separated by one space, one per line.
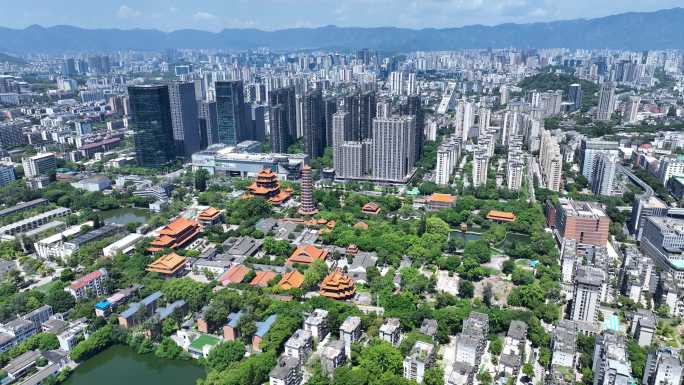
212 15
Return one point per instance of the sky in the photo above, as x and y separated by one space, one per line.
215 15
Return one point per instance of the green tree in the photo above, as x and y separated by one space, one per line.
225 354
466 289
314 274
201 177
478 249
381 357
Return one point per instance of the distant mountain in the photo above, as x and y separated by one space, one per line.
644 30
4 58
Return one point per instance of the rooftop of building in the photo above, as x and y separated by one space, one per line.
575 208
87 279
167 264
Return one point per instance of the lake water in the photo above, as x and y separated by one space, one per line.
124 216
120 365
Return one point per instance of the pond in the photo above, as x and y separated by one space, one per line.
121 365
124 216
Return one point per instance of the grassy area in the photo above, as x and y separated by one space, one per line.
47 287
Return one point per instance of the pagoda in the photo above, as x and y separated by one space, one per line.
267 186
338 286
307 206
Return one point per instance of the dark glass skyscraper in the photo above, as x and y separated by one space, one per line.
230 109
414 107
277 116
367 112
313 124
285 97
184 118
330 107
152 127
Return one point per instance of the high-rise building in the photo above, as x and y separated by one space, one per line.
396 81
515 166
7 174
280 136
393 152
329 110
414 107
383 109
587 293
351 105
585 222
611 364
207 123
632 109
152 125
307 204
184 118
355 160
663 367
40 164
341 133
411 84
670 166
551 161
480 167
448 155
313 124
367 112
230 110
286 98
645 206
603 175
258 117
69 67
589 149
606 102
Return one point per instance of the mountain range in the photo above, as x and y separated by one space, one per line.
635 30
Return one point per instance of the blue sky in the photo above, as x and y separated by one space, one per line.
215 15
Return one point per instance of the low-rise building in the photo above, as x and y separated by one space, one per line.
286 372
317 324
299 345
643 327
137 312
419 360
333 356
350 332
169 266
390 331
72 334
262 328
664 366
92 284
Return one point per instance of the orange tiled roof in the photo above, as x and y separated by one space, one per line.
292 280
209 213
442 198
262 278
501 216
337 285
177 226
371 207
168 264
175 234
307 254
234 275
361 225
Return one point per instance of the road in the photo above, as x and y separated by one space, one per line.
648 191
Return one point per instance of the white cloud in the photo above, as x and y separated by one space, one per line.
206 16
126 12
